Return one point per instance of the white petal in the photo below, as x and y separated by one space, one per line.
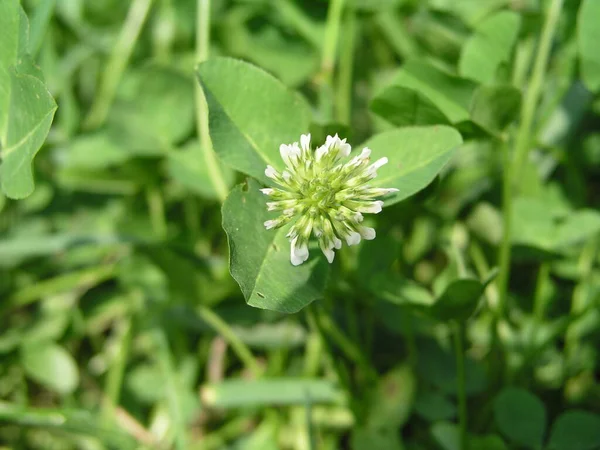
380 162
267 191
373 207
345 149
366 152
270 224
352 238
322 151
286 175
272 206
367 233
329 254
305 141
337 243
298 254
271 172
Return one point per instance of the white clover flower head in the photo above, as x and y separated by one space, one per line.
324 196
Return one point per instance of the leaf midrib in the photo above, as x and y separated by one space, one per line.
247 137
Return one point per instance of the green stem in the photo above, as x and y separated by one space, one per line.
534 89
540 298
331 39
221 327
458 332
581 298
505 245
114 379
136 17
346 345
202 51
344 87
171 380
157 212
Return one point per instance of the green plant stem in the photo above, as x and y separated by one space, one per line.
114 379
505 245
534 89
328 325
513 168
330 44
202 51
581 299
221 327
156 207
344 87
458 336
136 17
171 380
540 299
82 279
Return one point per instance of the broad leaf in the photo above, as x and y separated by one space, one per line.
260 258
489 47
26 106
50 365
575 430
459 300
422 94
520 416
416 155
251 115
588 36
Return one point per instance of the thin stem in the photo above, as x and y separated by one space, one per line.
136 17
332 37
157 212
202 51
534 90
352 351
344 87
458 332
540 299
221 327
114 379
505 245
171 380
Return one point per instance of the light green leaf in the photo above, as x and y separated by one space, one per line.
50 365
588 36
26 106
489 47
393 399
251 114
234 393
155 109
416 155
447 435
520 416
188 167
260 259
575 430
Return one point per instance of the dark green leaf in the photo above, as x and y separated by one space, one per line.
260 259
251 115
575 430
520 416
